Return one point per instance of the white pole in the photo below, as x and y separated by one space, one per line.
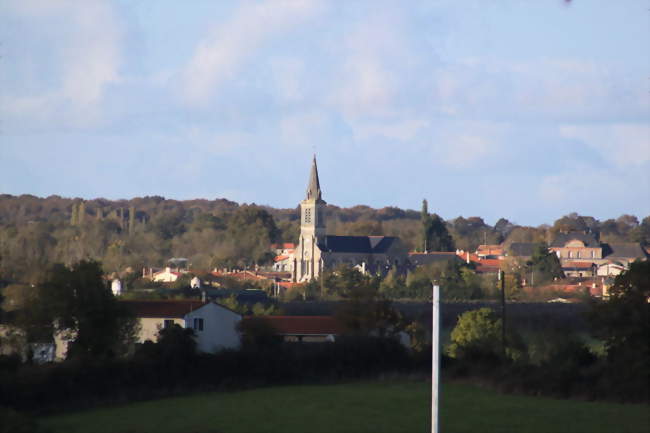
435 359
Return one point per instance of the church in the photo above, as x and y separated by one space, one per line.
317 251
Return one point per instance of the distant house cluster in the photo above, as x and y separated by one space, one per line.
583 255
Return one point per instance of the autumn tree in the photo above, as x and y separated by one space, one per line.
78 303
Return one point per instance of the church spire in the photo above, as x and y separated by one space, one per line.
313 189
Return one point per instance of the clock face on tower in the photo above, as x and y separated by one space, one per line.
306 254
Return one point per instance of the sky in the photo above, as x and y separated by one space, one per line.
527 110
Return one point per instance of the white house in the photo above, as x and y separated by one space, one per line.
215 326
166 276
195 283
116 287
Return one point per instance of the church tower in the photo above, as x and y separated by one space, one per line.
308 263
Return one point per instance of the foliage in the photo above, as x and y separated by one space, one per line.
257 334
545 264
477 332
364 312
15 422
623 322
435 236
147 231
79 304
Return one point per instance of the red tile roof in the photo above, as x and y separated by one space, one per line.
177 309
576 265
280 258
289 284
243 275
284 246
304 325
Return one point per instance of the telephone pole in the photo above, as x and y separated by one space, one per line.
435 360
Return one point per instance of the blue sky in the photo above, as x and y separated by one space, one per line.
523 109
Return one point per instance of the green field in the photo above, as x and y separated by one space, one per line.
373 407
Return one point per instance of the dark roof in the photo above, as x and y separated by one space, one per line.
586 238
177 309
420 259
303 325
624 250
357 244
522 249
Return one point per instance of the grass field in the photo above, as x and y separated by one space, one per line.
371 407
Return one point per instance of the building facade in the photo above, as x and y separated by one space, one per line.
317 251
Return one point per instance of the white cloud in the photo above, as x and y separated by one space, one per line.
584 184
289 77
462 145
221 54
376 60
624 144
81 62
401 130
301 130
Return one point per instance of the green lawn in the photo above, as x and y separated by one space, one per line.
373 407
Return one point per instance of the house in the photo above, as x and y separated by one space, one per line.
195 283
423 259
576 245
317 251
308 329
282 262
624 253
490 251
611 268
215 326
116 287
579 269
166 276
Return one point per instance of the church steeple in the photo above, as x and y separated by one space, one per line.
313 189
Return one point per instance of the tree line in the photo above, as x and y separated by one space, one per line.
147 231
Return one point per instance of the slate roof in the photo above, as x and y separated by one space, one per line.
304 325
177 309
313 189
421 259
357 244
586 238
623 250
522 249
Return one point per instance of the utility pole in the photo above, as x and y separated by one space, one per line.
435 360
502 280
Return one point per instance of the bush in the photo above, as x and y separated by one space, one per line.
476 335
14 422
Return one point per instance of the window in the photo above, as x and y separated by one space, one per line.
168 323
198 324
578 254
569 254
307 215
593 254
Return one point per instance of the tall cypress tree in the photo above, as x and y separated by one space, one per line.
131 219
425 219
81 210
435 236
73 215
